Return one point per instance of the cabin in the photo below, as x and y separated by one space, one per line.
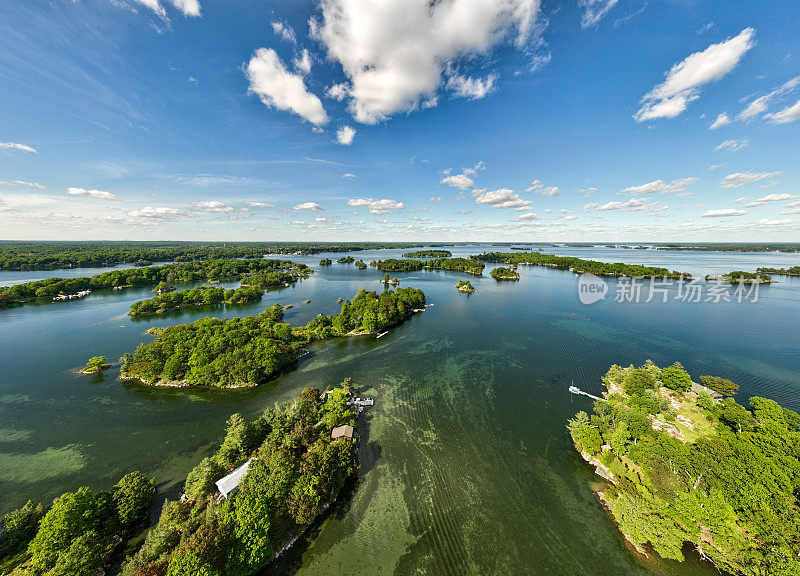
229 485
344 431
697 388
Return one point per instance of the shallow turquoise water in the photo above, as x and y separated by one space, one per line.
466 464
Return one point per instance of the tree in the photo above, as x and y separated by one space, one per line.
96 364
132 495
84 556
721 385
676 378
637 380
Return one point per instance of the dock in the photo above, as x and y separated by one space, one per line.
575 390
381 334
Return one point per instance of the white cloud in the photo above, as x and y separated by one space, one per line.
211 206
723 213
348 175
766 222
303 62
475 169
460 181
762 103
570 217
595 11
156 213
384 206
394 52
787 115
188 7
284 31
722 120
308 207
502 198
17 146
539 188
253 204
770 198
791 211
661 187
99 194
472 88
741 178
281 89
733 145
527 216
22 183
632 205
345 135
337 92
684 79
463 212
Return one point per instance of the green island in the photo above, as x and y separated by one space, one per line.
346 260
731 247
740 277
465 286
361 265
43 255
504 274
793 271
283 470
325 262
244 352
450 264
203 271
428 254
193 297
78 534
96 364
578 265
685 465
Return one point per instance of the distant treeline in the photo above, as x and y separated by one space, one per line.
729 247
428 254
48 255
199 296
296 471
410 265
247 351
739 276
151 275
793 271
578 265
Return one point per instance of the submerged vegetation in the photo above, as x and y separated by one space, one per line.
199 296
686 465
578 265
203 271
77 535
296 470
247 351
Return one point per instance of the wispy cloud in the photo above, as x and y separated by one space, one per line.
733 145
722 213
660 187
17 146
738 179
211 206
99 194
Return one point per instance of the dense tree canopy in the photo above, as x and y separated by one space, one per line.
198 296
428 254
577 265
452 264
687 468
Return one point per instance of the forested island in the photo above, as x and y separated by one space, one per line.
740 277
732 247
686 465
29 255
198 296
77 535
504 274
578 265
451 264
428 254
346 260
168 274
325 262
296 467
793 271
244 352
465 286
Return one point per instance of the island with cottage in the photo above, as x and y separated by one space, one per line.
685 463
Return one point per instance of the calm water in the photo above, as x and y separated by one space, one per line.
466 464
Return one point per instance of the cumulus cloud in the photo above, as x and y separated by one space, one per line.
211 206
395 51
502 198
253 204
99 194
661 187
345 135
684 79
733 145
539 188
526 217
284 31
787 115
595 11
17 146
308 207
722 120
156 213
632 205
460 181
281 89
738 179
723 212
762 103
770 198
303 62
338 92
472 88
384 206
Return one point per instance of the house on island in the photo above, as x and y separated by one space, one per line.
343 431
698 388
229 485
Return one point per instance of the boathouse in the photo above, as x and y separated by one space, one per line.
229 485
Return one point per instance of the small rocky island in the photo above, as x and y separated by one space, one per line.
504 274
465 286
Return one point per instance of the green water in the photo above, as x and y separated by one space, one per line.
466 466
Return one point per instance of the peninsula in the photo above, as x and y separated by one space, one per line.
578 265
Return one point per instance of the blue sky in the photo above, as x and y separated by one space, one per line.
603 120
